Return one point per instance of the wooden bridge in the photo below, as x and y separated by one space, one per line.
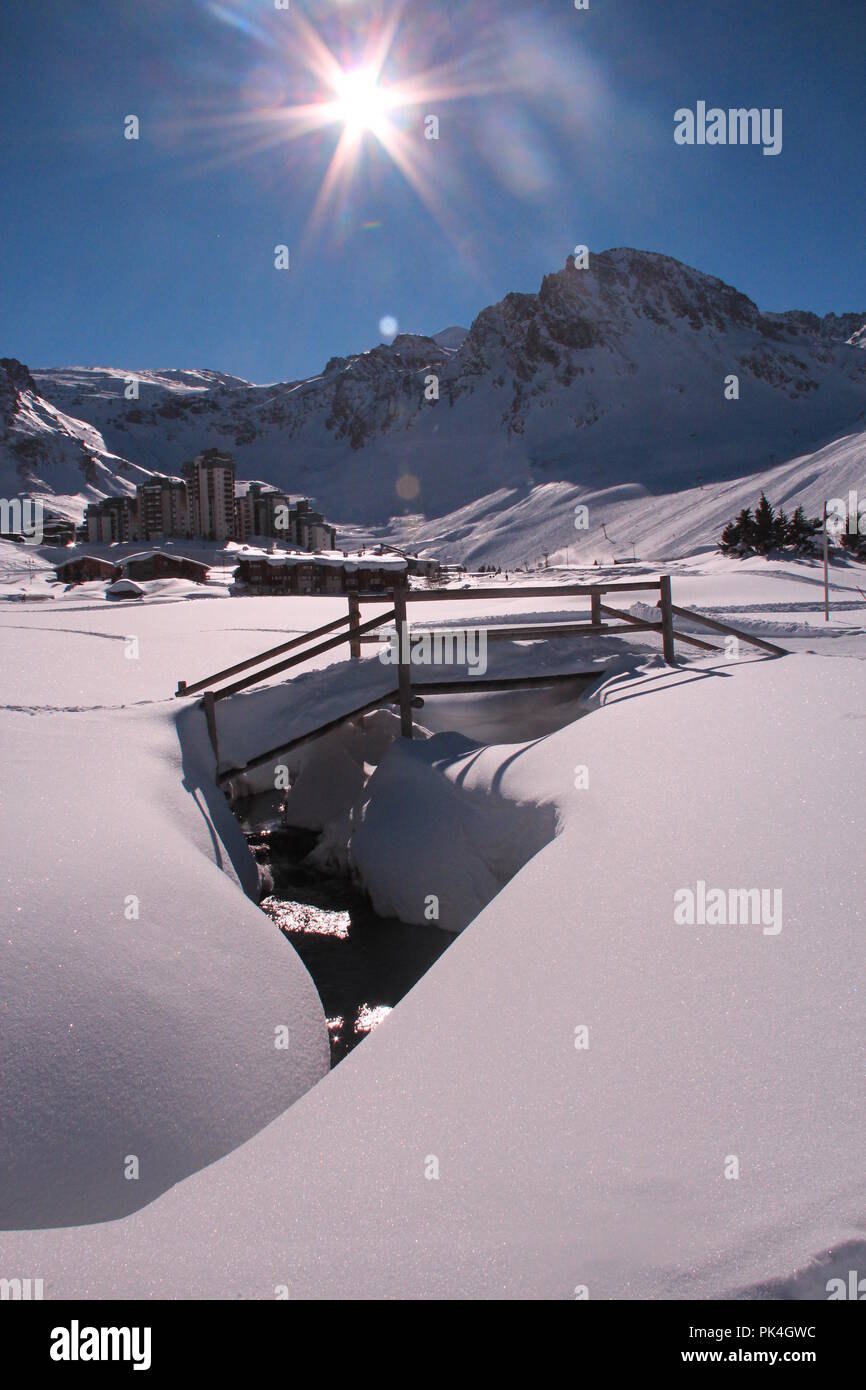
349 629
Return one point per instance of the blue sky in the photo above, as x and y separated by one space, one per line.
555 128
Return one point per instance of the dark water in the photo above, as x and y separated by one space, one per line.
362 964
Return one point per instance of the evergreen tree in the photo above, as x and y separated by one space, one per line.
746 523
781 528
738 535
765 526
854 543
801 530
768 529
731 538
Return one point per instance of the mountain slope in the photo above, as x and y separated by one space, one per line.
50 454
514 527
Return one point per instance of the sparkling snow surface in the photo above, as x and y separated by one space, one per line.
559 1165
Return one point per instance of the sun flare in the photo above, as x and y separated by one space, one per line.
370 87
360 103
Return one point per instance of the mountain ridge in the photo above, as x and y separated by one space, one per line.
608 376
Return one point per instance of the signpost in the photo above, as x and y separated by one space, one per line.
826 568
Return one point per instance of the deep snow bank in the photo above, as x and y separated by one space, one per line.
443 825
601 1166
432 829
140 988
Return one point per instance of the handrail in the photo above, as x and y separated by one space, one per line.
411 596
300 656
510 591
639 622
184 689
731 631
503 632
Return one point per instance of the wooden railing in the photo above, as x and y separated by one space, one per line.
358 633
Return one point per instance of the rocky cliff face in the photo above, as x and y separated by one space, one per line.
48 453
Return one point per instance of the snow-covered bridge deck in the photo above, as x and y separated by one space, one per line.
349 689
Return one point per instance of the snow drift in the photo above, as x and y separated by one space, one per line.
141 989
474 823
600 1166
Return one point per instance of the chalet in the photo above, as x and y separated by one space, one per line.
83 567
415 564
157 564
325 572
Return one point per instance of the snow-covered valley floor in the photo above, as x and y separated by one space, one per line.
564 1098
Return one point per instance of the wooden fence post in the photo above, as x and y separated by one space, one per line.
354 624
667 619
595 601
404 678
210 716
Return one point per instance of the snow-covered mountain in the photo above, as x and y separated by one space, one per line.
48 453
451 337
626 520
608 378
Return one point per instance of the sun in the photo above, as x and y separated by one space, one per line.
375 107
360 102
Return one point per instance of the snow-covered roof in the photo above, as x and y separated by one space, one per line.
126 586
77 559
150 554
243 485
333 558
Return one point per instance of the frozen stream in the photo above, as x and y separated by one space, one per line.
363 964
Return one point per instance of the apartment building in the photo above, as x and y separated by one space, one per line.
112 519
206 502
162 509
312 531
265 511
210 485
261 510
